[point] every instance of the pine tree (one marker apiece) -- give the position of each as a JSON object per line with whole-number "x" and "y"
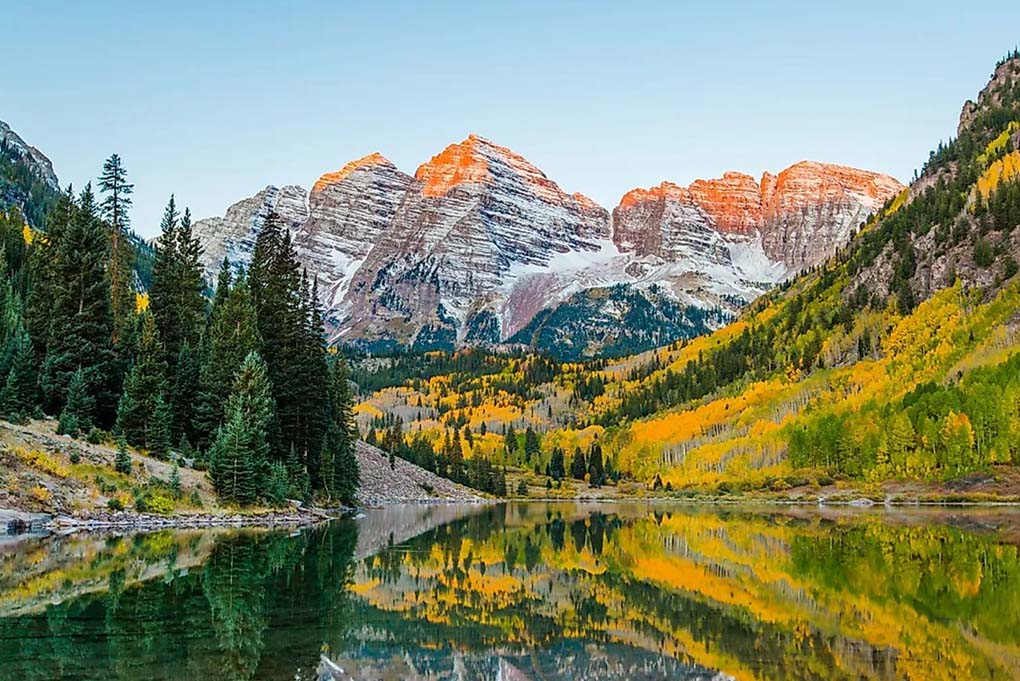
{"x": 42, "y": 275}
{"x": 79, "y": 336}
{"x": 239, "y": 455}
{"x": 175, "y": 482}
{"x": 339, "y": 463}
{"x": 18, "y": 395}
{"x": 531, "y": 444}
{"x": 277, "y": 295}
{"x": 122, "y": 462}
{"x": 232, "y": 336}
{"x": 313, "y": 369}
{"x": 145, "y": 385}
{"x": 160, "y": 436}
{"x": 185, "y": 389}
{"x": 557, "y": 466}
{"x": 595, "y": 469}
{"x": 510, "y": 440}
{"x": 176, "y": 297}
{"x": 578, "y": 465}
{"x": 456, "y": 458}
{"x": 191, "y": 304}
{"x": 78, "y": 407}
{"x": 114, "y": 209}
{"x": 297, "y": 475}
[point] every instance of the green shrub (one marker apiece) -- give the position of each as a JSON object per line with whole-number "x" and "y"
{"x": 983, "y": 255}
{"x": 68, "y": 424}
{"x": 115, "y": 504}
{"x": 1010, "y": 268}
{"x": 75, "y": 457}
{"x": 95, "y": 436}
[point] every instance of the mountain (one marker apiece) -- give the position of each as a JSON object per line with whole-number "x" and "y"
{"x": 897, "y": 358}
{"x": 27, "y": 180}
{"x": 479, "y": 246}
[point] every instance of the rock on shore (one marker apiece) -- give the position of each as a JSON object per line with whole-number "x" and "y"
{"x": 405, "y": 482}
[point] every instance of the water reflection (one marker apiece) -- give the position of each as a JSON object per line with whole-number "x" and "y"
{"x": 528, "y": 591}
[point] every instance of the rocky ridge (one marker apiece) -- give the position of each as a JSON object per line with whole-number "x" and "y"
{"x": 479, "y": 243}
{"x": 38, "y": 164}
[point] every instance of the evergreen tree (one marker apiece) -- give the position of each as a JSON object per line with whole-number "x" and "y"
{"x": 175, "y": 482}
{"x": 339, "y": 463}
{"x": 144, "y": 387}
{"x": 578, "y": 465}
{"x": 177, "y": 295}
{"x": 122, "y": 462}
{"x": 239, "y": 455}
{"x": 186, "y": 387}
{"x": 160, "y": 436}
{"x": 78, "y": 407}
{"x": 281, "y": 317}
{"x": 510, "y": 440}
{"x": 455, "y": 457}
{"x": 312, "y": 419}
{"x": 531, "y": 444}
{"x": 557, "y": 466}
{"x": 163, "y": 291}
{"x": 18, "y": 395}
{"x": 80, "y": 333}
{"x": 114, "y": 208}
{"x": 297, "y": 475}
{"x": 42, "y": 267}
{"x": 595, "y": 469}
{"x": 232, "y": 336}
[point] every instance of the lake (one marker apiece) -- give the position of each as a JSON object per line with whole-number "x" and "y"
{"x": 527, "y": 591}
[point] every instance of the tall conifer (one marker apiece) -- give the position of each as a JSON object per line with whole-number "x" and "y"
{"x": 239, "y": 455}
{"x": 81, "y": 329}
{"x": 114, "y": 207}
{"x": 145, "y": 385}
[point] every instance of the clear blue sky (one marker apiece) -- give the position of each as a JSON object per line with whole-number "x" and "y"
{"x": 213, "y": 100}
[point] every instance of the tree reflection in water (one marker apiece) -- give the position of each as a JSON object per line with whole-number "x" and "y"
{"x": 529, "y": 591}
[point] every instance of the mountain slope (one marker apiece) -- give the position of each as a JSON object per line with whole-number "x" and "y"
{"x": 27, "y": 180}
{"x": 479, "y": 246}
{"x": 898, "y": 357}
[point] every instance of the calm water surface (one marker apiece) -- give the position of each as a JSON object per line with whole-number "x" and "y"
{"x": 527, "y": 591}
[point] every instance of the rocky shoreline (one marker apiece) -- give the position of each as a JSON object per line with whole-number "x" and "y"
{"x": 17, "y": 522}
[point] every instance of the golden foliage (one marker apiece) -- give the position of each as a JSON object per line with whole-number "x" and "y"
{"x": 1003, "y": 169}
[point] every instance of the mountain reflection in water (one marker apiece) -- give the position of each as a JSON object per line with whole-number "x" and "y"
{"x": 527, "y": 591}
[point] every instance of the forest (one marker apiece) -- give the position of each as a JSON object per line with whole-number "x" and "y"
{"x": 237, "y": 381}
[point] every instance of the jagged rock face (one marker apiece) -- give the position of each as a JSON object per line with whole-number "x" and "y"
{"x": 349, "y": 212}
{"x": 810, "y": 209}
{"x": 475, "y": 217}
{"x": 1006, "y": 74}
{"x": 798, "y": 217}
{"x": 37, "y": 163}
{"x": 233, "y": 235}
{"x": 480, "y": 246}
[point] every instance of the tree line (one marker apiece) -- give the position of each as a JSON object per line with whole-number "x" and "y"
{"x": 242, "y": 383}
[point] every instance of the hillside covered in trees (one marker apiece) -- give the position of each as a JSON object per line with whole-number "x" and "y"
{"x": 241, "y": 385}
{"x": 896, "y": 359}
